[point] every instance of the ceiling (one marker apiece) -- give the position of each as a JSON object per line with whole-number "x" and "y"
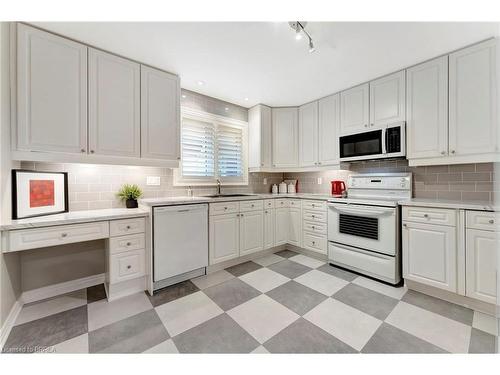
{"x": 262, "y": 61}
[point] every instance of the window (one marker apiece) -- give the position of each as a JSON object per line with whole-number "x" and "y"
{"x": 212, "y": 147}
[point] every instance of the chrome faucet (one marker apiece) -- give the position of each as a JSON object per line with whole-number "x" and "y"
{"x": 218, "y": 187}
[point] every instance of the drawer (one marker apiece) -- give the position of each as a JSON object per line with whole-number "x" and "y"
{"x": 482, "y": 220}
{"x": 224, "y": 208}
{"x": 269, "y": 203}
{"x": 315, "y": 216}
{"x": 430, "y": 215}
{"x": 279, "y": 203}
{"x": 314, "y": 205}
{"x": 297, "y": 203}
{"x": 251, "y": 206}
{"x": 127, "y": 226}
{"x": 34, "y": 238}
{"x": 319, "y": 228}
{"x": 127, "y": 265}
{"x": 315, "y": 242}
{"x": 127, "y": 243}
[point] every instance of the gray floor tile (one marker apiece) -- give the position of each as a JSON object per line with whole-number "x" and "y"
{"x": 297, "y": 297}
{"x": 218, "y": 335}
{"x": 51, "y": 330}
{"x": 286, "y": 253}
{"x": 131, "y": 335}
{"x": 389, "y": 339}
{"x": 243, "y": 268}
{"x": 439, "y": 306}
{"x": 366, "y": 300}
{"x": 304, "y": 337}
{"x": 96, "y": 293}
{"x": 172, "y": 292}
{"x": 338, "y": 272}
{"x": 289, "y": 269}
{"x": 231, "y": 293}
{"x": 481, "y": 342}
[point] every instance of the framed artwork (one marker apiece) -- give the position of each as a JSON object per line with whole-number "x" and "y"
{"x": 36, "y": 193}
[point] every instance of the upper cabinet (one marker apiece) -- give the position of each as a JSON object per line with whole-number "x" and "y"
{"x": 308, "y": 135}
{"x": 285, "y": 137}
{"x": 160, "y": 111}
{"x": 51, "y": 92}
{"x": 427, "y": 109}
{"x": 354, "y": 109}
{"x": 259, "y": 137}
{"x": 387, "y": 100}
{"x": 114, "y": 105}
{"x": 328, "y": 125}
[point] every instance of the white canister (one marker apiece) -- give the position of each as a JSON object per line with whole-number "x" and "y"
{"x": 282, "y": 188}
{"x": 274, "y": 189}
{"x": 291, "y": 189}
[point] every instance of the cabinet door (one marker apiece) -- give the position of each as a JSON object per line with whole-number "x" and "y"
{"x": 295, "y": 227}
{"x": 481, "y": 261}
{"x": 160, "y": 121}
{"x": 387, "y": 99}
{"x": 430, "y": 255}
{"x": 51, "y": 92}
{"x": 269, "y": 218}
{"x": 328, "y": 124}
{"x": 427, "y": 106}
{"x": 266, "y": 137}
{"x": 251, "y": 232}
{"x": 259, "y": 137}
{"x": 281, "y": 226}
{"x": 354, "y": 105}
{"x": 285, "y": 137}
{"x": 308, "y": 135}
{"x": 114, "y": 105}
{"x": 473, "y": 100}
{"x": 224, "y": 238}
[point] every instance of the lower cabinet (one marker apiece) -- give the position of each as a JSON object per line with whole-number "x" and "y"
{"x": 281, "y": 227}
{"x": 251, "y": 232}
{"x": 224, "y": 234}
{"x": 295, "y": 226}
{"x": 269, "y": 221}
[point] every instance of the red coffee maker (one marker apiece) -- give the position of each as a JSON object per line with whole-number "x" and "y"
{"x": 338, "y": 187}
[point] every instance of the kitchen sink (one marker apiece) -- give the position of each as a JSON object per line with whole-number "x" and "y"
{"x": 228, "y": 195}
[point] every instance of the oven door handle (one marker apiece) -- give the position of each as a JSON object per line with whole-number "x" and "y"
{"x": 365, "y": 211}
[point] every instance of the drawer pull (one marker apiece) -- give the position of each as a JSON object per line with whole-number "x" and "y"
{"x": 426, "y": 215}
{"x": 129, "y": 267}
{"x": 313, "y": 227}
{"x": 253, "y": 205}
{"x": 225, "y": 208}
{"x": 313, "y": 205}
{"x": 266, "y": 211}
{"x": 491, "y": 221}
{"x": 405, "y": 225}
{"x": 314, "y": 242}
{"x": 129, "y": 243}
{"x": 64, "y": 235}
{"x": 313, "y": 216}
{"x": 127, "y": 227}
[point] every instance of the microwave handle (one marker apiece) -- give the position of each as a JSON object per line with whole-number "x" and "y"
{"x": 384, "y": 140}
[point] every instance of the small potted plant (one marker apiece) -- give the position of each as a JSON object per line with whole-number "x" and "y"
{"x": 130, "y": 194}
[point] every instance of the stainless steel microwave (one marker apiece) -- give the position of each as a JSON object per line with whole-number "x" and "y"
{"x": 385, "y": 142}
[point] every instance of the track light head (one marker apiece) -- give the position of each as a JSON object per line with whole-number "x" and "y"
{"x": 311, "y": 46}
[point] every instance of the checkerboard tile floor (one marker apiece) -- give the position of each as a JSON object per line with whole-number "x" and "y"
{"x": 281, "y": 303}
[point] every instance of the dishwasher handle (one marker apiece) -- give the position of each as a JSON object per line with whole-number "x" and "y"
{"x": 181, "y": 208}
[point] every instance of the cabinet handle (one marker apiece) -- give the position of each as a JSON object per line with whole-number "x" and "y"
{"x": 366, "y": 125}
{"x": 253, "y": 205}
{"x": 452, "y": 151}
{"x": 313, "y": 216}
{"x": 319, "y": 163}
{"x": 129, "y": 243}
{"x": 127, "y": 227}
{"x": 178, "y": 158}
{"x": 443, "y": 152}
{"x": 83, "y": 150}
{"x": 91, "y": 151}
{"x": 426, "y": 215}
{"x": 225, "y": 208}
{"x": 266, "y": 211}
{"x": 371, "y": 125}
{"x": 313, "y": 242}
{"x": 129, "y": 267}
{"x": 313, "y": 227}
{"x": 491, "y": 221}
{"x": 64, "y": 234}
{"x": 241, "y": 215}
{"x": 405, "y": 225}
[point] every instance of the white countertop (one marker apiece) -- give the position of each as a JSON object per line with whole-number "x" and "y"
{"x": 446, "y": 203}
{"x": 73, "y": 218}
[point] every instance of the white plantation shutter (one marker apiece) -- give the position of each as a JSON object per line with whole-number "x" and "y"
{"x": 198, "y": 148}
{"x": 229, "y": 151}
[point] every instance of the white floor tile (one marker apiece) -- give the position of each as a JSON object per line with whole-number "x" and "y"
{"x": 307, "y": 261}
{"x": 262, "y": 317}
{"x": 485, "y": 322}
{"x": 51, "y": 306}
{"x": 102, "y": 313}
{"x": 347, "y": 324}
{"x": 187, "y": 312}
{"x": 268, "y": 260}
{"x": 166, "y": 347}
{"x": 321, "y": 282}
{"x": 446, "y": 333}
{"x": 212, "y": 279}
{"x": 264, "y": 279}
{"x": 380, "y": 287}
{"x": 260, "y": 350}
{"x": 79, "y": 344}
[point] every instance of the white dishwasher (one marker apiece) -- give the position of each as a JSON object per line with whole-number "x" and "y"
{"x": 180, "y": 243}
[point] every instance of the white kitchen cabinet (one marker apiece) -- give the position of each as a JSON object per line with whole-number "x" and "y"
{"x": 295, "y": 226}
{"x": 160, "y": 117}
{"x": 51, "y": 92}
{"x": 328, "y": 125}
{"x": 473, "y": 100}
{"x": 387, "y": 100}
{"x": 281, "y": 226}
{"x": 269, "y": 222}
{"x": 224, "y": 239}
{"x": 259, "y": 137}
{"x": 354, "y": 109}
{"x": 481, "y": 265}
{"x": 251, "y": 232}
{"x": 430, "y": 255}
{"x": 308, "y": 135}
{"x": 285, "y": 137}
{"x": 427, "y": 109}
{"x": 114, "y": 105}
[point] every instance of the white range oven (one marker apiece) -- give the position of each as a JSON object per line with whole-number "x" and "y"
{"x": 364, "y": 228}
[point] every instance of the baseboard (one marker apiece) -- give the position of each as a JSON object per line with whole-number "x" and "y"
{"x": 9, "y": 323}
{"x": 232, "y": 262}
{"x": 50, "y": 291}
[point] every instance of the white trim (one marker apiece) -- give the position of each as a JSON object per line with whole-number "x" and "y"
{"x": 49, "y": 291}
{"x": 458, "y": 159}
{"x": 9, "y": 323}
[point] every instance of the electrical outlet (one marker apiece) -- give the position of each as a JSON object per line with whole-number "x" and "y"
{"x": 320, "y": 180}
{"x": 265, "y": 181}
{"x": 153, "y": 180}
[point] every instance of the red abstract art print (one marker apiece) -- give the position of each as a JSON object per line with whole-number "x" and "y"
{"x": 41, "y": 193}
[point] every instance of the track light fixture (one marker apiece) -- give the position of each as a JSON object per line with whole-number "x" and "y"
{"x": 299, "y": 28}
